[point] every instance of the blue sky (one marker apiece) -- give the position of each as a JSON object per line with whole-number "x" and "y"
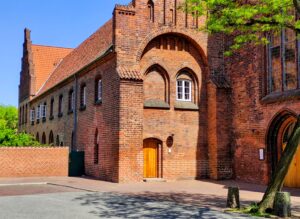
{"x": 63, "y": 23}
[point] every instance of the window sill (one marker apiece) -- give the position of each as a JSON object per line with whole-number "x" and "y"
{"x": 51, "y": 117}
{"x": 98, "y": 102}
{"x": 281, "y": 96}
{"x": 156, "y": 104}
{"x": 82, "y": 108}
{"x": 183, "y": 105}
{"x": 60, "y": 115}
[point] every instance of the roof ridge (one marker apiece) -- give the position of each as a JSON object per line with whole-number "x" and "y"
{"x": 59, "y": 47}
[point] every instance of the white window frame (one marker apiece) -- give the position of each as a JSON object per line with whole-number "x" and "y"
{"x": 183, "y": 90}
{"x": 99, "y": 94}
{"x": 38, "y": 112}
{"x": 32, "y": 115}
{"x": 43, "y": 111}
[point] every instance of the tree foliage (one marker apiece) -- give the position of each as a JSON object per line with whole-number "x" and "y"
{"x": 9, "y": 135}
{"x": 249, "y": 20}
{"x": 252, "y": 21}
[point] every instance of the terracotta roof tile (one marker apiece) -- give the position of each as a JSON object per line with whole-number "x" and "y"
{"x": 45, "y": 60}
{"x": 84, "y": 54}
{"x": 129, "y": 74}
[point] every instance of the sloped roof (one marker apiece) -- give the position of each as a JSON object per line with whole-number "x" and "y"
{"x": 83, "y": 55}
{"x": 129, "y": 74}
{"x": 46, "y": 59}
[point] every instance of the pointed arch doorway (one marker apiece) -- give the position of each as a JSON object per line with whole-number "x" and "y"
{"x": 279, "y": 134}
{"x": 152, "y": 158}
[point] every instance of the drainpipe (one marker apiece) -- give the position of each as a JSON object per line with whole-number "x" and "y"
{"x": 74, "y": 146}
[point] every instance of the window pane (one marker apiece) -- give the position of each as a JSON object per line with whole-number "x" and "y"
{"x": 84, "y": 97}
{"x": 290, "y": 59}
{"x": 100, "y": 90}
{"x": 276, "y": 63}
{"x": 179, "y": 90}
{"x": 187, "y": 85}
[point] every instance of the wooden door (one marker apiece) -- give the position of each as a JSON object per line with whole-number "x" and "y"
{"x": 293, "y": 177}
{"x": 150, "y": 159}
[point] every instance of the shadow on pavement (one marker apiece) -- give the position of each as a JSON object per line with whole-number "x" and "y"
{"x": 250, "y": 187}
{"x": 154, "y": 205}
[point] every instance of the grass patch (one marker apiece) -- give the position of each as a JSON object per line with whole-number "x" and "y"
{"x": 250, "y": 210}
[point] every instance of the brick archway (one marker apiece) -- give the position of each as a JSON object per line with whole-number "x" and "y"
{"x": 187, "y": 34}
{"x": 276, "y": 132}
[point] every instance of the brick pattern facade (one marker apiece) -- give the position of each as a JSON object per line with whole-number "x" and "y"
{"x": 217, "y": 134}
{"x": 34, "y": 162}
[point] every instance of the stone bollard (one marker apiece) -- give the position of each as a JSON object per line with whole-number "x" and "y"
{"x": 233, "y": 197}
{"x": 282, "y": 204}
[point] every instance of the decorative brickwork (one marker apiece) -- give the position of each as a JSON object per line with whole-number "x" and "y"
{"x": 34, "y": 162}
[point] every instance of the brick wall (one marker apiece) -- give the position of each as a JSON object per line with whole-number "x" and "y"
{"x": 251, "y": 115}
{"x": 34, "y": 162}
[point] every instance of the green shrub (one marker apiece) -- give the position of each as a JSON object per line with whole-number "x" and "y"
{"x": 9, "y": 135}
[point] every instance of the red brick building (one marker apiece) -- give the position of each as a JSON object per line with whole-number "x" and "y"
{"x": 150, "y": 96}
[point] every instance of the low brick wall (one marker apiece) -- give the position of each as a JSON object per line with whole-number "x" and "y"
{"x": 33, "y": 162}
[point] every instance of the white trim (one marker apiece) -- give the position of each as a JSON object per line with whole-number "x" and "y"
{"x": 183, "y": 90}
{"x": 38, "y": 112}
{"x": 43, "y": 111}
{"x": 32, "y": 115}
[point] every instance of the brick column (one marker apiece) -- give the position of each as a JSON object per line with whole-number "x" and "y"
{"x": 219, "y": 132}
{"x": 131, "y": 131}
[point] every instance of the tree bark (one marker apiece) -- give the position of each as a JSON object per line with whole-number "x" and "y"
{"x": 233, "y": 197}
{"x": 281, "y": 170}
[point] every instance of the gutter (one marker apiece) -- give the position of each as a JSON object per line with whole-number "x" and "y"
{"x": 74, "y": 146}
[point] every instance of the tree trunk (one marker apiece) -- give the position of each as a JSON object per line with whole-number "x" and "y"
{"x": 233, "y": 197}
{"x": 281, "y": 170}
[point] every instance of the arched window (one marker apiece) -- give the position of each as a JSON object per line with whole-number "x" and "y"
{"x": 83, "y": 97}
{"x": 96, "y": 147}
{"x": 51, "y": 138}
{"x": 44, "y": 138}
{"x": 71, "y": 101}
{"x": 60, "y": 105}
{"x": 156, "y": 87}
{"x": 283, "y": 62}
{"x": 57, "y": 140}
{"x": 37, "y": 137}
{"x": 184, "y": 87}
{"x": 98, "y": 90}
{"x": 151, "y": 10}
{"x": 51, "y": 109}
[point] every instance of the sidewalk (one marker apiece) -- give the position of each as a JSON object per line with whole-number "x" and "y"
{"x": 205, "y": 193}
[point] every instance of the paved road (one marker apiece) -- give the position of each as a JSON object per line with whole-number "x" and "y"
{"x": 46, "y": 201}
